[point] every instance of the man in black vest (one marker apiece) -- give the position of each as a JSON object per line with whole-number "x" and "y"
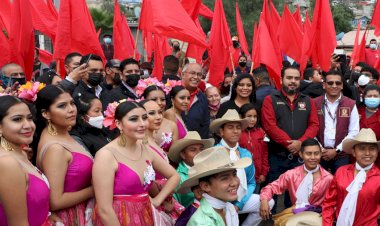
{"x": 288, "y": 118}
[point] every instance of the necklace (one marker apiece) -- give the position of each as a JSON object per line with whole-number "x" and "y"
{"x": 135, "y": 160}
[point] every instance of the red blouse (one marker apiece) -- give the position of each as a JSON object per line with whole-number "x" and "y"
{"x": 368, "y": 204}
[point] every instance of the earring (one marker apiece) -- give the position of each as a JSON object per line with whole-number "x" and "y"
{"x": 122, "y": 141}
{"x": 51, "y": 129}
{"x": 5, "y": 144}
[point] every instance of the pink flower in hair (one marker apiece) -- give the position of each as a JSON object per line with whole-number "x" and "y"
{"x": 170, "y": 84}
{"x": 29, "y": 90}
{"x": 109, "y": 115}
{"x": 144, "y": 83}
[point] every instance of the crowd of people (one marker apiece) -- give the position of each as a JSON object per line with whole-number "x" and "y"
{"x": 110, "y": 145}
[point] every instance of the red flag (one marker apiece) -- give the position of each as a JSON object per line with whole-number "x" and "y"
{"x": 276, "y": 18}
{"x": 290, "y": 36}
{"x": 169, "y": 18}
{"x": 76, "y": 31}
{"x": 297, "y": 17}
{"x": 265, "y": 52}
{"x": 354, "y": 59}
{"x": 322, "y": 39}
{"x": 5, "y": 47}
{"x": 46, "y": 57}
{"x": 206, "y": 12}
{"x": 148, "y": 44}
{"x": 360, "y": 55}
{"x": 307, "y": 23}
{"x": 240, "y": 31}
{"x": 195, "y": 51}
{"x": 98, "y": 32}
{"x": 124, "y": 44}
{"x": 220, "y": 45}
{"x": 161, "y": 49}
{"x": 5, "y": 15}
{"x": 376, "y": 19}
{"x": 21, "y": 36}
{"x": 43, "y": 18}
{"x": 192, "y": 7}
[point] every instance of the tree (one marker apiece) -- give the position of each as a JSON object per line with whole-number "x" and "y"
{"x": 102, "y": 20}
{"x": 342, "y": 16}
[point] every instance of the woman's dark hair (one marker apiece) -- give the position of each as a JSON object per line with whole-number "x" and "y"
{"x": 309, "y": 142}
{"x": 6, "y": 103}
{"x": 175, "y": 90}
{"x": 84, "y": 104}
{"x": 47, "y": 76}
{"x": 369, "y": 88}
{"x": 150, "y": 89}
{"x": 252, "y": 97}
{"x": 247, "y": 107}
{"x": 124, "y": 108}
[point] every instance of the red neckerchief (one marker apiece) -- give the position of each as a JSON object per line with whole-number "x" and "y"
{"x": 192, "y": 96}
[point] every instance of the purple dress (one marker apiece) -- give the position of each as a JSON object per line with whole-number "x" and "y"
{"x": 37, "y": 200}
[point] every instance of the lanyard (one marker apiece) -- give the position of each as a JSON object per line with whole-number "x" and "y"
{"x": 329, "y": 112}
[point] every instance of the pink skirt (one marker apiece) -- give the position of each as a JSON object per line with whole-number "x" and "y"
{"x": 74, "y": 216}
{"x": 131, "y": 210}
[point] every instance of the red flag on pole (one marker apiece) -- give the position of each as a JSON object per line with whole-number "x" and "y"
{"x": 169, "y": 18}
{"x": 220, "y": 45}
{"x": 192, "y": 7}
{"x": 240, "y": 31}
{"x": 205, "y": 12}
{"x": 376, "y": 18}
{"x": 43, "y": 18}
{"x": 21, "y": 36}
{"x": 297, "y": 17}
{"x": 5, "y": 47}
{"x": 195, "y": 51}
{"x": 76, "y": 31}
{"x": 5, "y": 15}
{"x": 265, "y": 52}
{"x": 123, "y": 41}
{"x": 290, "y": 36}
{"x": 355, "y": 50}
{"x": 276, "y": 18}
{"x": 46, "y": 57}
{"x": 161, "y": 49}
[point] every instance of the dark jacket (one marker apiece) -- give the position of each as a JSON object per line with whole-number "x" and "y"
{"x": 312, "y": 90}
{"x": 263, "y": 91}
{"x": 198, "y": 117}
{"x": 119, "y": 93}
{"x": 92, "y": 137}
{"x": 170, "y": 77}
{"x": 225, "y": 107}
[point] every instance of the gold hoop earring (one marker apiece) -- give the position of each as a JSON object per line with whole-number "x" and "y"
{"x": 51, "y": 129}
{"x": 122, "y": 141}
{"x": 5, "y": 144}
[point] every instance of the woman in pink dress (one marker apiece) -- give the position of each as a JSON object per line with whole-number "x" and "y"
{"x": 24, "y": 192}
{"x": 168, "y": 132}
{"x": 124, "y": 172}
{"x": 170, "y": 209}
{"x": 181, "y": 99}
{"x": 66, "y": 163}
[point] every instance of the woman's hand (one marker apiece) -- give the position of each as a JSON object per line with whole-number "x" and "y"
{"x": 265, "y": 210}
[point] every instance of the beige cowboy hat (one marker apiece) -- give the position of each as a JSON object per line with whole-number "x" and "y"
{"x": 192, "y": 137}
{"x": 306, "y": 218}
{"x": 230, "y": 116}
{"x": 364, "y": 136}
{"x": 209, "y": 162}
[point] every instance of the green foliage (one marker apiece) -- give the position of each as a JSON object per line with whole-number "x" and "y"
{"x": 102, "y": 20}
{"x": 342, "y": 16}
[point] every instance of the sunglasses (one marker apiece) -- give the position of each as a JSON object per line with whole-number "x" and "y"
{"x": 331, "y": 83}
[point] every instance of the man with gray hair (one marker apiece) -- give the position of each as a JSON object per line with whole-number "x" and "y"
{"x": 12, "y": 73}
{"x": 197, "y": 117}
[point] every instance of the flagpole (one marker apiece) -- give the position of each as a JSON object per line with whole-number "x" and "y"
{"x": 146, "y": 52}
{"x": 136, "y": 40}
{"x": 232, "y": 62}
{"x": 183, "y": 55}
{"x": 250, "y": 71}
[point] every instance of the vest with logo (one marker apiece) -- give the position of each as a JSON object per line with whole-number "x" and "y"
{"x": 343, "y": 115}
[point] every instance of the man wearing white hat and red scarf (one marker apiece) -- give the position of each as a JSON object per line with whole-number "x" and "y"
{"x": 353, "y": 198}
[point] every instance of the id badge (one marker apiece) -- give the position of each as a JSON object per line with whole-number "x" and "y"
{"x": 331, "y": 133}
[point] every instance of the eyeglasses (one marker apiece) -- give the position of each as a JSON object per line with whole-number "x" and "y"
{"x": 193, "y": 73}
{"x": 331, "y": 83}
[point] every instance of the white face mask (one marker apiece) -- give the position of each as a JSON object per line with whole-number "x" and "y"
{"x": 372, "y": 46}
{"x": 96, "y": 122}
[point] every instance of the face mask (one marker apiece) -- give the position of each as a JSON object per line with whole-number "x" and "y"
{"x": 355, "y": 76}
{"x": 235, "y": 44}
{"x": 6, "y": 80}
{"x": 372, "y": 46}
{"x": 132, "y": 80}
{"x": 242, "y": 64}
{"x": 94, "y": 79}
{"x": 107, "y": 40}
{"x": 96, "y": 122}
{"x": 372, "y": 102}
{"x": 176, "y": 48}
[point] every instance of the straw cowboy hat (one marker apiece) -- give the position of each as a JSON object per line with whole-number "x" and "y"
{"x": 306, "y": 218}
{"x": 209, "y": 162}
{"x": 192, "y": 137}
{"x": 230, "y": 116}
{"x": 366, "y": 136}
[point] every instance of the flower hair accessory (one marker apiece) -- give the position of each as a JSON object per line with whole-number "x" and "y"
{"x": 170, "y": 84}
{"x": 29, "y": 90}
{"x": 144, "y": 83}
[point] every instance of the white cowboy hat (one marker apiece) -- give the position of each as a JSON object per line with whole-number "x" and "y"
{"x": 230, "y": 116}
{"x": 364, "y": 136}
{"x": 192, "y": 137}
{"x": 307, "y": 218}
{"x": 209, "y": 162}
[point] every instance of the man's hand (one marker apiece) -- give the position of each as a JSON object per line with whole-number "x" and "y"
{"x": 265, "y": 210}
{"x": 78, "y": 73}
{"x": 294, "y": 146}
{"x": 261, "y": 179}
{"x": 328, "y": 154}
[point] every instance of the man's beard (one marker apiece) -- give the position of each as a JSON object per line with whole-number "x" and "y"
{"x": 290, "y": 91}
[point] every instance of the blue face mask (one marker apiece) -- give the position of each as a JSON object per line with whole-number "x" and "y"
{"x": 107, "y": 40}
{"x": 6, "y": 80}
{"x": 372, "y": 102}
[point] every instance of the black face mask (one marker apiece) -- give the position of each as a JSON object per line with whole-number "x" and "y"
{"x": 176, "y": 48}
{"x": 21, "y": 81}
{"x": 132, "y": 80}
{"x": 355, "y": 76}
{"x": 235, "y": 44}
{"x": 94, "y": 79}
{"x": 116, "y": 79}
{"x": 242, "y": 64}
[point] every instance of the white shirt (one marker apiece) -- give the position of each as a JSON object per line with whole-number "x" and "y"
{"x": 330, "y": 124}
{"x": 98, "y": 90}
